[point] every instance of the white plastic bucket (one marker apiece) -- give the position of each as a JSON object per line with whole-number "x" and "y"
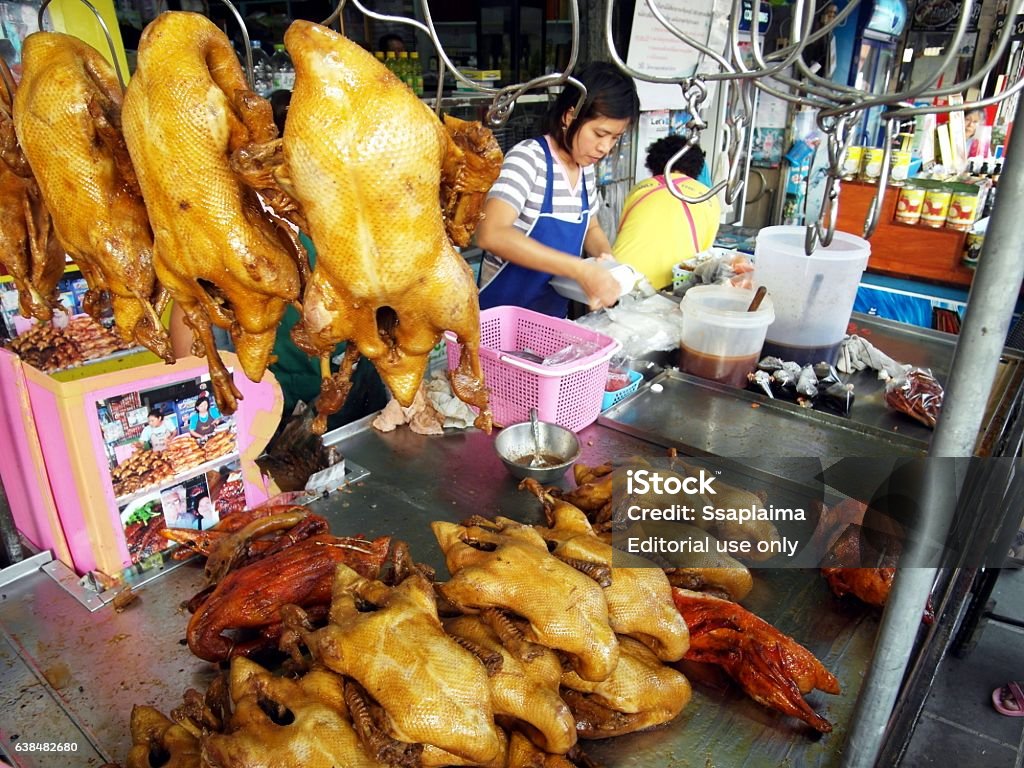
{"x": 721, "y": 341}
{"x": 813, "y": 295}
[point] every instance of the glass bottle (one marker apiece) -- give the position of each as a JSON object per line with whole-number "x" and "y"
{"x": 417, "y": 72}
{"x": 282, "y": 68}
{"x": 262, "y": 72}
{"x": 391, "y": 62}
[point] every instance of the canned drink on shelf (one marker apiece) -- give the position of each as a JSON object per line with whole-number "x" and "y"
{"x": 935, "y": 207}
{"x": 909, "y": 205}
{"x": 963, "y": 209}
{"x": 851, "y": 162}
{"x": 871, "y": 164}
{"x": 900, "y": 168}
{"x": 972, "y": 249}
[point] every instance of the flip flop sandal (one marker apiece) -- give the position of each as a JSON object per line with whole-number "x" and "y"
{"x": 1007, "y": 695}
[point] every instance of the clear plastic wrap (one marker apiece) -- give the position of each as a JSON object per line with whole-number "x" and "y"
{"x": 916, "y": 393}
{"x": 641, "y": 324}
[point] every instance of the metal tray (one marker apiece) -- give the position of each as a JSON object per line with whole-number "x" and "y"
{"x": 704, "y": 418}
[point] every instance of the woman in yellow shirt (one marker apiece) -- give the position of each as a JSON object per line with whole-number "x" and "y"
{"x": 658, "y": 230}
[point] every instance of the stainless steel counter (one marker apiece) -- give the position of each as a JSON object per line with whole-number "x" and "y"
{"x": 71, "y": 676}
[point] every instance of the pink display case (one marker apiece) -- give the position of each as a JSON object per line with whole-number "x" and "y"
{"x": 94, "y": 467}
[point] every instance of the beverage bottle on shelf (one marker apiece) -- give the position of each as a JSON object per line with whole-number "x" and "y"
{"x": 283, "y": 69}
{"x": 391, "y": 62}
{"x": 417, "y": 72}
{"x": 379, "y": 55}
{"x": 263, "y": 79}
{"x": 404, "y": 70}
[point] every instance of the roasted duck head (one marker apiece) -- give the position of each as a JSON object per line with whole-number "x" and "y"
{"x": 67, "y": 115}
{"x": 363, "y": 158}
{"x": 29, "y": 249}
{"x": 225, "y": 259}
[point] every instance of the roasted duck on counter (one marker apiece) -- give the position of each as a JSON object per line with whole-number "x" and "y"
{"x": 251, "y": 597}
{"x": 67, "y": 114}
{"x": 639, "y": 599}
{"x": 282, "y": 723}
{"x": 433, "y": 692}
{"x": 641, "y": 693}
{"x": 364, "y": 158}
{"x": 524, "y": 691}
{"x": 221, "y": 255}
{"x": 770, "y": 666}
{"x": 507, "y": 566}
{"x": 29, "y": 249}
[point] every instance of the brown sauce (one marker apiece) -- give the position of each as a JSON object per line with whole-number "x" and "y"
{"x": 546, "y": 460}
{"x": 727, "y": 370}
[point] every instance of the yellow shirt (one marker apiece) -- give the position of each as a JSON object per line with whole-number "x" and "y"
{"x": 657, "y": 230}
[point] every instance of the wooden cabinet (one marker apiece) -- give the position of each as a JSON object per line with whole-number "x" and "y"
{"x": 903, "y": 250}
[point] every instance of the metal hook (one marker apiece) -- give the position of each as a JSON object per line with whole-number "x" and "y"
{"x": 871, "y": 222}
{"x": 837, "y": 136}
{"x": 106, "y": 34}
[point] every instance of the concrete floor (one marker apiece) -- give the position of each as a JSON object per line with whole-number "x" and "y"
{"x": 959, "y": 727}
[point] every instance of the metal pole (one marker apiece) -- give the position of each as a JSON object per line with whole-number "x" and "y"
{"x": 986, "y": 322}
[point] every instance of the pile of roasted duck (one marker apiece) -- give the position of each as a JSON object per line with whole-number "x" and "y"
{"x": 181, "y": 189}
{"x": 536, "y": 641}
{"x": 51, "y": 348}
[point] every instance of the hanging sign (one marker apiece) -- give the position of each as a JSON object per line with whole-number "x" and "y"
{"x": 764, "y": 17}
{"x": 1017, "y": 30}
{"x": 943, "y": 16}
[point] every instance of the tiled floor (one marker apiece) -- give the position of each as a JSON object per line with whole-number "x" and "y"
{"x": 959, "y": 726}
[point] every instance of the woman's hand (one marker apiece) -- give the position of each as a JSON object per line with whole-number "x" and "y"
{"x": 601, "y": 288}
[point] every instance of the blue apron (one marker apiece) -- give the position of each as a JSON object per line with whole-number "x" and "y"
{"x": 514, "y": 285}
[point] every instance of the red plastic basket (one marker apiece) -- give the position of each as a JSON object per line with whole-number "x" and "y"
{"x": 569, "y": 395}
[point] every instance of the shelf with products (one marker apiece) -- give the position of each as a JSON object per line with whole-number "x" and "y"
{"x": 903, "y": 250}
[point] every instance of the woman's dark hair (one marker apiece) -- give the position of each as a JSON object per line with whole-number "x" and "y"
{"x": 202, "y": 400}
{"x": 156, "y": 413}
{"x": 610, "y": 93}
{"x": 280, "y": 100}
{"x": 662, "y": 150}
{"x": 383, "y": 43}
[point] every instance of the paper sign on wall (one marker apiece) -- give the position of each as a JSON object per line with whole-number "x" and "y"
{"x": 654, "y": 50}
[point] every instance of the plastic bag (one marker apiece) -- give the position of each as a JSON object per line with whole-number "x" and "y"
{"x": 618, "y": 374}
{"x": 918, "y": 394}
{"x": 570, "y": 353}
{"x": 718, "y": 266}
{"x": 642, "y": 325}
{"x": 811, "y": 386}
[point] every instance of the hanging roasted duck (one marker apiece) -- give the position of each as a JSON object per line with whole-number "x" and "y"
{"x": 29, "y": 249}
{"x": 363, "y": 156}
{"x": 225, "y": 259}
{"x": 67, "y": 115}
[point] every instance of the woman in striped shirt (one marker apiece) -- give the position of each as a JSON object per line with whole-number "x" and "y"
{"x": 540, "y": 214}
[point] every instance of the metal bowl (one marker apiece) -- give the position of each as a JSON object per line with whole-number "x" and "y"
{"x": 558, "y": 447}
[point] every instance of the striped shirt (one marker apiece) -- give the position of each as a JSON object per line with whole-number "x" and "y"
{"x": 522, "y": 183}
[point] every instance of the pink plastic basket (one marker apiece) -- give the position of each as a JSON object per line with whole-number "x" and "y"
{"x": 568, "y": 395}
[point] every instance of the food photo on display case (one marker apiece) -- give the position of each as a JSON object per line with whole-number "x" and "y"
{"x": 155, "y": 435}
